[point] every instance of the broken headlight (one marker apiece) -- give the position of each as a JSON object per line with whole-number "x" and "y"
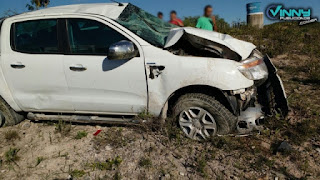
{"x": 254, "y": 68}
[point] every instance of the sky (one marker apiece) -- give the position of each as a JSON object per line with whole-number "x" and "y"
{"x": 230, "y": 10}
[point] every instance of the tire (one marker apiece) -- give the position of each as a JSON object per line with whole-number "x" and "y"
{"x": 8, "y": 117}
{"x": 214, "y": 118}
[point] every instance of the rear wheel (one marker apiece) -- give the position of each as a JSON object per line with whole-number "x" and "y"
{"x": 201, "y": 116}
{"x": 8, "y": 117}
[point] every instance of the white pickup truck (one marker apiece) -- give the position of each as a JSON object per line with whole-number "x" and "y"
{"x": 109, "y": 62}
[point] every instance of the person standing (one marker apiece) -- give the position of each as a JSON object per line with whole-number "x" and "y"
{"x": 207, "y": 21}
{"x": 160, "y": 15}
{"x": 174, "y": 20}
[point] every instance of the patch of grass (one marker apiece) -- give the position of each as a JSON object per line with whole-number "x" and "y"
{"x": 285, "y": 172}
{"x": 114, "y": 137}
{"x": 39, "y": 160}
{"x": 108, "y": 165}
{"x": 226, "y": 142}
{"x": 304, "y": 166}
{"x": 12, "y": 155}
{"x": 65, "y": 155}
{"x": 63, "y": 127}
{"x": 145, "y": 115}
{"x": 260, "y": 162}
{"x": 11, "y": 135}
{"x": 81, "y": 134}
{"x": 298, "y": 132}
{"x": 302, "y": 131}
{"x": 100, "y": 166}
{"x": 117, "y": 176}
{"x": 201, "y": 163}
{"x": 77, "y": 173}
{"x": 239, "y": 165}
{"x": 172, "y": 131}
{"x": 145, "y": 162}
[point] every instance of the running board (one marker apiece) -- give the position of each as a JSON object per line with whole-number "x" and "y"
{"x": 81, "y": 119}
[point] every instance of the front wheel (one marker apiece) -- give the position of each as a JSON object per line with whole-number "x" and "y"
{"x": 201, "y": 116}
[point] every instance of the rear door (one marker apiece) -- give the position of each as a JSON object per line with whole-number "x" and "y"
{"x": 97, "y": 84}
{"x": 34, "y": 69}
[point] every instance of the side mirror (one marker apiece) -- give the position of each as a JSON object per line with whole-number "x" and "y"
{"x": 122, "y": 50}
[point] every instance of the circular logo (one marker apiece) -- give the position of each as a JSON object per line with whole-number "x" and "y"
{"x": 268, "y": 12}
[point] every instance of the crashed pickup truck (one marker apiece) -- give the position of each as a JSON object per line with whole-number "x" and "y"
{"x": 103, "y": 63}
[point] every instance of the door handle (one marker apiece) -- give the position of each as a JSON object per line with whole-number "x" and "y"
{"x": 77, "y": 67}
{"x": 17, "y": 65}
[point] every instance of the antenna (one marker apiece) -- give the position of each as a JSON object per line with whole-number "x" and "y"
{"x": 119, "y": 3}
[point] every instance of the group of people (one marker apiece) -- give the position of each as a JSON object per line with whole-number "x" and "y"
{"x": 207, "y": 21}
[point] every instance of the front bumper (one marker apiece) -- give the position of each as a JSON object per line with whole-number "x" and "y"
{"x": 270, "y": 99}
{"x": 271, "y": 94}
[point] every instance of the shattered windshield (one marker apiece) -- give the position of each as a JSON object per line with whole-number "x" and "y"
{"x": 145, "y": 25}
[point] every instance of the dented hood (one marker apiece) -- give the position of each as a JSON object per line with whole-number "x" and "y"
{"x": 222, "y": 42}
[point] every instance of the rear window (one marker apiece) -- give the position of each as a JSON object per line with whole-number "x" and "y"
{"x": 39, "y": 37}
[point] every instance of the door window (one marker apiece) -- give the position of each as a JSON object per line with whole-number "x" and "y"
{"x": 38, "y": 36}
{"x": 91, "y": 37}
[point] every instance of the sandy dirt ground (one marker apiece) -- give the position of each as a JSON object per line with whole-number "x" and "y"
{"x": 57, "y": 150}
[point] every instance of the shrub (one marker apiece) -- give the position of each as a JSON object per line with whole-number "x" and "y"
{"x": 81, "y": 134}
{"x": 145, "y": 162}
{"x": 12, "y": 155}
{"x": 11, "y": 135}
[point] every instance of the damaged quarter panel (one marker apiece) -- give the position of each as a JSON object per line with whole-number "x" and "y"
{"x": 167, "y": 73}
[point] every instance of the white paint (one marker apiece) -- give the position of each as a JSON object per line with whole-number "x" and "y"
{"x": 109, "y": 86}
{"x": 244, "y": 49}
{"x": 110, "y": 10}
{"x": 183, "y": 71}
{"x": 48, "y": 85}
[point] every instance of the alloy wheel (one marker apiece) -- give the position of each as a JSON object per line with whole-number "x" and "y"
{"x": 197, "y": 123}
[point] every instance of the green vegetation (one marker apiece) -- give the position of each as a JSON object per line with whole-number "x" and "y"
{"x": 113, "y": 137}
{"x": 81, "y": 134}
{"x": 11, "y": 156}
{"x": 145, "y": 162}
{"x": 260, "y": 163}
{"x": 108, "y": 165}
{"x": 77, "y": 173}
{"x": 201, "y": 163}
{"x": 39, "y": 160}
{"x": 145, "y": 115}
{"x": 278, "y": 38}
{"x": 11, "y": 135}
{"x": 63, "y": 127}
{"x": 117, "y": 176}
{"x": 36, "y": 4}
{"x": 289, "y": 38}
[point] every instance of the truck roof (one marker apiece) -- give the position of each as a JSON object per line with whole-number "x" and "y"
{"x": 110, "y": 10}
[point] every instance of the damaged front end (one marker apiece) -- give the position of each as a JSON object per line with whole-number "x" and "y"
{"x": 196, "y": 42}
{"x": 266, "y": 98}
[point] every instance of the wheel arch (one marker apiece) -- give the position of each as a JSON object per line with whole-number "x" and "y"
{"x": 222, "y": 96}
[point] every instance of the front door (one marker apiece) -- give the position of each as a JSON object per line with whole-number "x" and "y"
{"x": 97, "y": 84}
